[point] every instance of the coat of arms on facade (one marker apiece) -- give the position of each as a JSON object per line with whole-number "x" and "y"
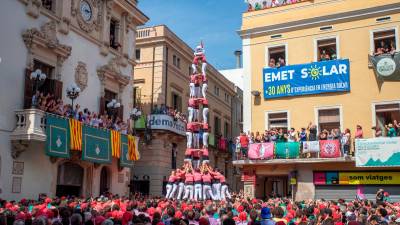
{"x": 81, "y": 75}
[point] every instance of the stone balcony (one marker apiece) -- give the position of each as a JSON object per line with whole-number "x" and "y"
{"x": 30, "y": 127}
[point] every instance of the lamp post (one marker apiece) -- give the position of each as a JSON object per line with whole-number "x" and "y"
{"x": 113, "y": 107}
{"x": 135, "y": 115}
{"x": 37, "y": 77}
{"x": 73, "y": 92}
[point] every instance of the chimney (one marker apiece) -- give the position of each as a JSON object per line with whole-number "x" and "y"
{"x": 238, "y": 55}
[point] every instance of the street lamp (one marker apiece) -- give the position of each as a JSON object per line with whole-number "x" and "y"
{"x": 135, "y": 115}
{"x": 113, "y": 107}
{"x": 73, "y": 92}
{"x": 37, "y": 77}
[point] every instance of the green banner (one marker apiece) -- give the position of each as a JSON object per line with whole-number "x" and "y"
{"x": 211, "y": 139}
{"x": 96, "y": 145}
{"x": 58, "y": 137}
{"x": 141, "y": 122}
{"x": 287, "y": 150}
{"x": 124, "y": 161}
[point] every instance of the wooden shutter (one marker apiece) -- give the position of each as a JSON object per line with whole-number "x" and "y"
{"x": 102, "y": 105}
{"x": 28, "y": 92}
{"x": 57, "y": 89}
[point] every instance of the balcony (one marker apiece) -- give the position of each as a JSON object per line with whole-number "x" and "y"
{"x": 30, "y": 127}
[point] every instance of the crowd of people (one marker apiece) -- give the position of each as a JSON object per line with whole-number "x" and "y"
{"x": 239, "y": 210}
{"x": 166, "y": 110}
{"x": 266, "y": 4}
{"x": 384, "y": 48}
{"x": 273, "y": 63}
{"x": 310, "y": 133}
{"x": 50, "y": 104}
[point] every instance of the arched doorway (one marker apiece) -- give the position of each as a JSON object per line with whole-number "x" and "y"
{"x": 69, "y": 179}
{"x": 104, "y": 181}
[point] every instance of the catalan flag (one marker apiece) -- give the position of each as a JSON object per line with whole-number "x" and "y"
{"x": 76, "y": 134}
{"x": 116, "y": 143}
{"x": 133, "y": 150}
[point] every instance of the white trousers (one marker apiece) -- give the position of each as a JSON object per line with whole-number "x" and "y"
{"x": 225, "y": 192}
{"x": 189, "y": 139}
{"x": 174, "y": 188}
{"x": 217, "y": 191}
{"x": 193, "y": 114}
{"x": 207, "y": 193}
{"x": 196, "y": 140}
{"x": 192, "y": 92}
{"x": 205, "y": 115}
{"x": 203, "y": 68}
{"x": 204, "y": 90}
{"x": 205, "y": 139}
{"x": 188, "y": 192}
{"x": 197, "y": 192}
{"x": 181, "y": 187}
{"x": 169, "y": 190}
{"x": 197, "y": 91}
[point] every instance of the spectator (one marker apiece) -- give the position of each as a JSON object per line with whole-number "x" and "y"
{"x": 346, "y": 142}
{"x": 391, "y": 132}
{"x": 312, "y": 129}
{"x": 272, "y": 63}
{"x": 359, "y": 132}
{"x": 244, "y": 143}
{"x": 266, "y": 218}
{"x": 378, "y": 131}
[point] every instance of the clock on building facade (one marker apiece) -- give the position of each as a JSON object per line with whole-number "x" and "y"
{"x": 87, "y": 14}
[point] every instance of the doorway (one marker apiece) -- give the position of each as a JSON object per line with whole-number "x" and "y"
{"x": 140, "y": 186}
{"x": 104, "y": 181}
{"x": 69, "y": 179}
{"x": 276, "y": 186}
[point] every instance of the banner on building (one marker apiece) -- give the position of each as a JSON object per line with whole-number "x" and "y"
{"x": 356, "y": 178}
{"x": 166, "y": 122}
{"x": 377, "y": 152}
{"x": 261, "y": 151}
{"x": 329, "y": 149}
{"x": 96, "y": 146}
{"x": 75, "y": 127}
{"x": 306, "y": 79}
{"x": 58, "y": 136}
{"x": 287, "y": 150}
{"x": 125, "y": 158}
{"x": 310, "y": 146}
{"x": 386, "y": 66}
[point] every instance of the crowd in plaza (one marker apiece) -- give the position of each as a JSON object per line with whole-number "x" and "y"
{"x": 166, "y": 110}
{"x": 48, "y": 103}
{"x": 310, "y": 133}
{"x": 138, "y": 209}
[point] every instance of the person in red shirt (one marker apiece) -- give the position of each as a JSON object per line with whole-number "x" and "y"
{"x": 204, "y": 156}
{"x": 181, "y": 185}
{"x": 188, "y": 155}
{"x": 204, "y": 87}
{"x": 170, "y": 185}
{"x": 189, "y": 181}
{"x": 205, "y": 111}
{"x": 216, "y": 184}
{"x": 224, "y": 188}
{"x": 206, "y": 134}
{"x": 193, "y": 109}
{"x": 197, "y": 184}
{"x": 207, "y": 191}
{"x": 196, "y": 126}
{"x": 244, "y": 144}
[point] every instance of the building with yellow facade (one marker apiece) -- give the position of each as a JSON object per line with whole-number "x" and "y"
{"x": 307, "y": 38}
{"x": 162, "y": 80}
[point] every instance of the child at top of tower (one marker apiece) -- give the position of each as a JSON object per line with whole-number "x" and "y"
{"x": 199, "y": 56}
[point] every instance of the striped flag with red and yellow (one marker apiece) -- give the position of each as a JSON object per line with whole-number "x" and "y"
{"x": 116, "y": 143}
{"x": 133, "y": 151}
{"x": 75, "y": 128}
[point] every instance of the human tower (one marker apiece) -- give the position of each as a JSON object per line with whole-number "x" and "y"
{"x": 197, "y": 180}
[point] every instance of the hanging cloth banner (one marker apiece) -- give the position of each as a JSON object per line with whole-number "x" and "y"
{"x": 311, "y": 147}
{"x": 133, "y": 148}
{"x": 75, "y": 127}
{"x": 96, "y": 145}
{"x": 261, "y": 151}
{"x": 125, "y": 159}
{"x": 329, "y": 149}
{"x": 115, "y": 143}
{"x": 57, "y": 136}
{"x": 287, "y": 150}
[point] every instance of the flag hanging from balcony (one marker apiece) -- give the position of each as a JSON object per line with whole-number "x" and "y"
{"x": 57, "y": 136}
{"x": 96, "y": 145}
{"x": 75, "y": 127}
{"x": 133, "y": 150}
{"x": 287, "y": 150}
{"x": 261, "y": 151}
{"x": 329, "y": 149}
{"x": 116, "y": 143}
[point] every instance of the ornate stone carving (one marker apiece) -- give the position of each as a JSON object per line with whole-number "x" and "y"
{"x": 49, "y": 32}
{"x": 64, "y": 25}
{"x": 18, "y": 147}
{"x": 112, "y": 73}
{"x": 87, "y": 26}
{"x": 33, "y": 8}
{"x": 81, "y": 75}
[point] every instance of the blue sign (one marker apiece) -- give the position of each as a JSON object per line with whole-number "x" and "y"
{"x": 307, "y": 79}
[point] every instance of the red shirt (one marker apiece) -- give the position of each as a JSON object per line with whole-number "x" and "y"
{"x": 205, "y": 126}
{"x": 206, "y": 178}
{"x": 244, "y": 141}
{"x": 189, "y": 177}
{"x": 204, "y": 152}
{"x": 197, "y": 176}
{"x": 188, "y": 151}
{"x": 172, "y": 179}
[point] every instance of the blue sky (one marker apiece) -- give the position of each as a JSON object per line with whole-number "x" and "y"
{"x": 213, "y": 21}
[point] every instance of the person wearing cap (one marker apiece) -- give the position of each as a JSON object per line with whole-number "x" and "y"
{"x": 199, "y": 56}
{"x": 266, "y": 217}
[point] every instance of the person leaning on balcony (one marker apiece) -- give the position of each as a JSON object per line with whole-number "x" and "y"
{"x": 391, "y": 131}
{"x": 272, "y": 63}
{"x": 312, "y": 129}
{"x": 378, "y": 131}
{"x": 244, "y": 144}
{"x": 359, "y": 132}
{"x": 396, "y": 126}
{"x": 346, "y": 142}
